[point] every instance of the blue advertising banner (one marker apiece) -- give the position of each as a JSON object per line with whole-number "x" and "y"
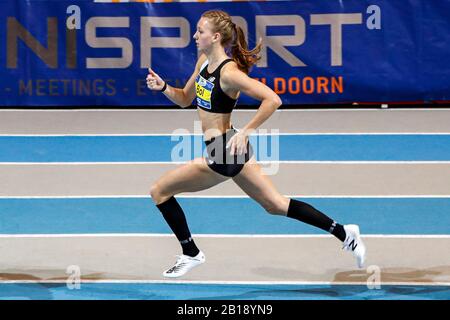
{"x": 82, "y": 53}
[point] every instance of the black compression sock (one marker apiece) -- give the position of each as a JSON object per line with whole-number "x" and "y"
{"x": 306, "y": 213}
{"x": 175, "y": 218}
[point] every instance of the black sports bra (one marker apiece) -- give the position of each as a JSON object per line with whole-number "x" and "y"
{"x": 210, "y": 96}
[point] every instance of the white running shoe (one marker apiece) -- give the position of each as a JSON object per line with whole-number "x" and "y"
{"x": 184, "y": 264}
{"x": 354, "y": 243}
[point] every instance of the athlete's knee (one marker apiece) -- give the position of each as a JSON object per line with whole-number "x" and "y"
{"x": 277, "y": 206}
{"x": 273, "y": 209}
{"x": 156, "y": 193}
{"x": 154, "y": 189}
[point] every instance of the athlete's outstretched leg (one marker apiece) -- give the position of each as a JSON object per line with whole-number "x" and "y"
{"x": 190, "y": 177}
{"x": 259, "y": 187}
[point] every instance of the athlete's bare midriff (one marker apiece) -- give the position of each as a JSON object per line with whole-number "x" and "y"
{"x": 214, "y": 124}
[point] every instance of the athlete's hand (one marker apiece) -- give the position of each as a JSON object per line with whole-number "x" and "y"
{"x": 154, "y": 82}
{"x": 238, "y": 143}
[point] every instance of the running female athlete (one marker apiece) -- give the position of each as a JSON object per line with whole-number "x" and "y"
{"x": 216, "y": 83}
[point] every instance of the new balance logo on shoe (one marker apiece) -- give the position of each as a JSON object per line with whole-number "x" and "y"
{"x": 176, "y": 268}
{"x": 353, "y": 245}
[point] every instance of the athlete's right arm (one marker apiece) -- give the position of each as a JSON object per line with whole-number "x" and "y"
{"x": 182, "y": 97}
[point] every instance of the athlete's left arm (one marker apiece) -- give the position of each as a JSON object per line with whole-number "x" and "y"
{"x": 270, "y": 101}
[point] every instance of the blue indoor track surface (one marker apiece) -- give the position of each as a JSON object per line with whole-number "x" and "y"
{"x": 146, "y": 291}
{"x": 219, "y": 216}
{"x": 291, "y": 147}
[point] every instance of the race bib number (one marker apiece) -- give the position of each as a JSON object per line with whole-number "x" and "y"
{"x": 203, "y": 89}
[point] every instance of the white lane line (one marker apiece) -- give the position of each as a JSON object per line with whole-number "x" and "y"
{"x": 389, "y": 196}
{"x": 212, "y": 282}
{"x": 183, "y": 162}
{"x": 259, "y": 134}
{"x": 253, "y": 236}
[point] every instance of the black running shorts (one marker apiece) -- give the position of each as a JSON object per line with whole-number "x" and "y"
{"x": 219, "y": 158}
